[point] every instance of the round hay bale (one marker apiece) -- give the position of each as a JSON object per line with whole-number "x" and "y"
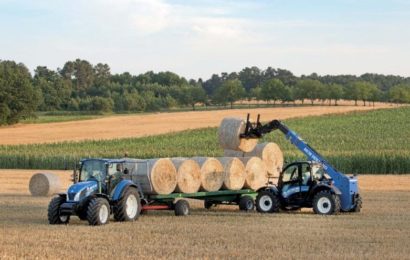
{"x": 188, "y": 175}
{"x": 234, "y": 173}
{"x": 155, "y": 176}
{"x": 271, "y": 154}
{"x": 44, "y": 184}
{"x": 212, "y": 173}
{"x": 228, "y": 134}
{"x": 256, "y": 172}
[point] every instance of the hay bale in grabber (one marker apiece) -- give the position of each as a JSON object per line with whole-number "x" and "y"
{"x": 44, "y": 184}
{"x": 188, "y": 175}
{"x": 229, "y": 133}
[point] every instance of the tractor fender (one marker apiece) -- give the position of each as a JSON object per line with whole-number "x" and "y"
{"x": 121, "y": 187}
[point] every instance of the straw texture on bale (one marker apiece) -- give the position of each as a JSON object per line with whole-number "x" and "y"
{"x": 256, "y": 173}
{"x": 212, "y": 173}
{"x": 234, "y": 173}
{"x": 44, "y": 184}
{"x": 156, "y": 176}
{"x": 228, "y": 134}
{"x": 188, "y": 175}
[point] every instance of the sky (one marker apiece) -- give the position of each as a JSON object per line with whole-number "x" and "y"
{"x": 199, "y": 38}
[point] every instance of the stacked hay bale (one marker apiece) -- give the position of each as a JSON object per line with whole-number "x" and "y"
{"x": 212, "y": 173}
{"x": 235, "y": 173}
{"x": 188, "y": 175}
{"x": 256, "y": 172}
{"x": 44, "y": 184}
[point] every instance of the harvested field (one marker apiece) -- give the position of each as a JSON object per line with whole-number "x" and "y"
{"x": 380, "y": 230}
{"x": 151, "y": 124}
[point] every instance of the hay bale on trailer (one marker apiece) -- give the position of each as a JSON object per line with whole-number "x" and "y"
{"x": 212, "y": 173}
{"x": 44, "y": 184}
{"x": 155, "y": 176}
{"x": 270, "y": 153}
{"x": 256, "y": 172}
{"x": 188, "y": 175}
{"x": 228, "y": 134}
{"x": 234, "y": 173}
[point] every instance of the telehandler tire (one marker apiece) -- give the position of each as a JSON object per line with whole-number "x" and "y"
{"x": 357, "y": 208}
{"x": 267, "y": 202}
{"x": 326, "y": 203}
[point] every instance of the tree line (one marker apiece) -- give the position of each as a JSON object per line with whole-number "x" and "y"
{"x": 82, "y": 86}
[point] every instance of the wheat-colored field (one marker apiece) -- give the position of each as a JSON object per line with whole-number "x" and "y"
{"x": 151, "y": 124}
{"x": 381, "y": 230}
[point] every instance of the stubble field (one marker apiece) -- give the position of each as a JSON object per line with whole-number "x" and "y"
{"x": 381, "y": 230}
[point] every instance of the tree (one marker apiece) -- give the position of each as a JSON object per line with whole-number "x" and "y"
{"x": 81, "y": 73}
{"x": 360, "y": 90}
{"x": 335, "y": 92}
{"x": 400, "y": 93}
{"x": 18, "y": 98}
{"x": 273, "y": 89}
{"x": 230, "y": 91}
{"x": 308, "y": 88}
{"x": 250, "y": 77}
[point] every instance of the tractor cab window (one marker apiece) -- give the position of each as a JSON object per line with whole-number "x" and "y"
{"x": 291, "y": 173}
{"x": 306, "y": 173}
{"x": 318, "y": 172}
{"x": 92, "y": 170}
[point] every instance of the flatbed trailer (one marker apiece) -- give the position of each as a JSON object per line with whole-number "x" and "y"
{"x": 176, "y": 201}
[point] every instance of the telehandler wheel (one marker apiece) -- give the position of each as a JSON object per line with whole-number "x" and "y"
{"x": 128, "y": 207}
{"x": 358, "y": 205}
{"x": 181, "y": 208}
{"x": 98, "y": 212}
{"x": 267, "y": 202}
{"x": 326, "y": 203}
{"x": 54, "y": 217}
{"x": 246, "y": 203}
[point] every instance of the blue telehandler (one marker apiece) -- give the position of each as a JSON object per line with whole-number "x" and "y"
{"x": 313, "y": 183}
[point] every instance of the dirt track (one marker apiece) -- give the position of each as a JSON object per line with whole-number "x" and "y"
{"x": 152, "y": 124}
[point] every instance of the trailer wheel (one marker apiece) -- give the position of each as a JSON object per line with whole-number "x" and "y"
{"x": 326, "y": 203}
{"x": 358, "y": 205}
{"x": 53, "y": 214}
{"x": 267, "y": 202}
{"x": 98, "y": 212}
{"x": 181, "y": 208}
{"x": 246, "y": 203}
{"x": 208, "y": 204}
{"x": 128, "y": 207}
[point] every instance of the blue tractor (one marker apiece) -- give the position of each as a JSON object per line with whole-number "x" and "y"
{"x": 96, "y": 193}
{"x": 313, "y": 183}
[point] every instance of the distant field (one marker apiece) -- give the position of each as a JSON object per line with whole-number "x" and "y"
{"x": 381, "y": 230}
{"x": 357, "y": 142}
{"x": 137, "y": 125}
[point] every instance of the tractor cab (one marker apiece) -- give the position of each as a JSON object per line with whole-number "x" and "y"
{"x": 297, "y": 181}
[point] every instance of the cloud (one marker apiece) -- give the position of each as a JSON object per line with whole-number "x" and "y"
{"x": 151, "y": 16}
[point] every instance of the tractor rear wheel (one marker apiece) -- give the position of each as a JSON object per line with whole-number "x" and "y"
{"x": 326, "y": 203}
{"x": 246, "y": 203}
{"x": 98, "y": 212}
{"x": 181, "y": 208}
{"x": 54, "y": 217}
{"x": 267, "y": 202}
{"x": 128, "y": 207}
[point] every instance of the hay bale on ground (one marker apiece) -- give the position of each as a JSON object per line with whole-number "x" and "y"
{"x": 256, "y": 172}
{"x": 44, "y": 184}
{"x": 156, "y": 176}
{"x": 234, "y": 173}
{"x": 228, "y": 135}
{"x": 212, "y": 173}
{"x": 188, "y": 175}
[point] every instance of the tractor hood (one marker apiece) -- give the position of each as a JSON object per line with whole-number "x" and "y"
{"x": 80, "y": 190}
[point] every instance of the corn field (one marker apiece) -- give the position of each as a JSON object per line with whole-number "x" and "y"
{"x": 358, "y": 142}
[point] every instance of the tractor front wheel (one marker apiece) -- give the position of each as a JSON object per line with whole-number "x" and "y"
{"x": 98, "y": 212}
{"x": 54, "y": 217}
{"x": 128, "y": 207}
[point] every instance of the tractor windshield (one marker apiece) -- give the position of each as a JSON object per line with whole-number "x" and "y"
{"x": 93, "y": 170}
